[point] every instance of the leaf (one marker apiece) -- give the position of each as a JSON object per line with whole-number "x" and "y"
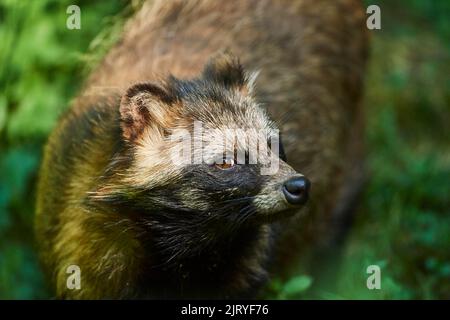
{"x": 296, "y": 285}
{"x": 3, "y": 113}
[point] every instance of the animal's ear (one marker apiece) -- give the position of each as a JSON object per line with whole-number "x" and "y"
{"x": 225, "y": 69}
{"x": 143, "y": 105}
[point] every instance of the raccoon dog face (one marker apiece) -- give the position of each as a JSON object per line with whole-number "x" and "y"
{"x": 205, "y": 153}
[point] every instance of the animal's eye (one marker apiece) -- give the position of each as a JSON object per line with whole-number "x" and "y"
{"x": 226, "y": 164}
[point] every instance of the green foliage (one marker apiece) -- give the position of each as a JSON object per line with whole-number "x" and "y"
{"x": 42, "y": 65}
{"x": 295, "y": 287}
{"x": 403, "y": 223}
{"x": 40, "y": 60}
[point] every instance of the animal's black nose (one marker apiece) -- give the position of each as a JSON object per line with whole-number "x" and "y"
{"x": 296, "y": 190}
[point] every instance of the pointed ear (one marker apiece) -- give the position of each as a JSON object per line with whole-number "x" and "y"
{"x": 226, "y": 70}
{"x": 143, "y": 105}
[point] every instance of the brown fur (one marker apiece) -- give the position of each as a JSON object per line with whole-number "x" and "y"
{"x": 311, "y": 56}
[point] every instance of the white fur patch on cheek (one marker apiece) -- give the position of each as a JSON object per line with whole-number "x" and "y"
{"x": 152, "y": 161}
{"x": 269, "y": 202}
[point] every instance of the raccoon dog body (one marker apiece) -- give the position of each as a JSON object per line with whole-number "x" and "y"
{"x": 111, "y": 198}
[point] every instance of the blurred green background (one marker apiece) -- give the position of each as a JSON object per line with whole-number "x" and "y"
{"x": 403, "y": 222}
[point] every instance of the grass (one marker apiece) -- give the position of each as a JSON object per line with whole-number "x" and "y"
{"x": 403, "y": 223}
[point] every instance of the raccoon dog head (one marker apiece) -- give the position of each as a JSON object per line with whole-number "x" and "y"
{"x": 203, "y": 152}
